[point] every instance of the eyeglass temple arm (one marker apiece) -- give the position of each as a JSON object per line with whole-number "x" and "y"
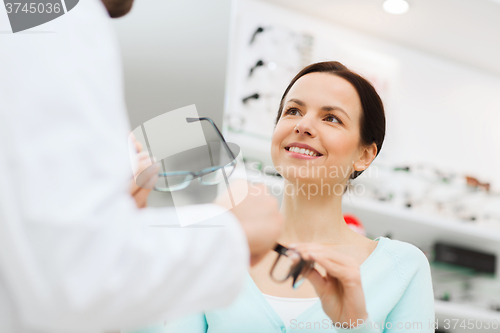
{"x": 191, "y": 120}
{"x": 280, "y": 248}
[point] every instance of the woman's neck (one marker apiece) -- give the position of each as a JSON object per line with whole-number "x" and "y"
{"x": 313, "y": 218}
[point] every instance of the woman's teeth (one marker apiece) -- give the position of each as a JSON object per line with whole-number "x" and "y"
{"x": 302, "y": 151}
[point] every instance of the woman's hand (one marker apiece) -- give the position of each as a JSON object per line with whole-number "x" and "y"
{"x": 140, "y": 187}
{"x": 340, "y": 291}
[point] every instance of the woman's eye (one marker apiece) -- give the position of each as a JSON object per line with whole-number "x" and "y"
{"x": 292, "y": 112}
{"x": 332, "y": 118}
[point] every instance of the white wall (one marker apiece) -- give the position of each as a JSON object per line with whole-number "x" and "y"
{"x": 438, "y": 112}
{"x": 175, "y": 54}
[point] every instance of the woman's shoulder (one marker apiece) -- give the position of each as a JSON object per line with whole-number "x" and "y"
{"x": 404, "y": 250}
{"x": 408, "y": 258}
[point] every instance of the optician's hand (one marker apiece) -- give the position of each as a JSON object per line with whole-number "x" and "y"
{"x": 259, "y": 216}
{"x": 340, "y": 291}
{"x": 140, "y": 187}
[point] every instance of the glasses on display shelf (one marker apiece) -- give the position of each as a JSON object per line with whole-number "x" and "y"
{"x": 289, "y": 264}
{"x": 178, "y": 180}
{"x": 473, "y": 182}
{"x": 272, "y": 66}
{"x": 256, "y": 32}
{"x": 266, "y": 102}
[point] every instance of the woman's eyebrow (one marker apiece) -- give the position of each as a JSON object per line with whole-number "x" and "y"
{"x": 297, "y": 101}
{"x": 333, "y": 108}
{"x": 326, "y": 108}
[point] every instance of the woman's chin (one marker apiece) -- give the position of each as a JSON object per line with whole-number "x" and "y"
{"x": 303, "y": 180}
{"x": 301, "y": 172}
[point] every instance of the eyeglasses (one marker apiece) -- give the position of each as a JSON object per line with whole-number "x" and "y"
{"x": 288, "y": 264}
{"x": 178, "y": 180}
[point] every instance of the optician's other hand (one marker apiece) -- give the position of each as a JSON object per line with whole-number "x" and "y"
{"x": 141, "y": 186}
{"x": 340, "y": 290}
{"x": 259, "y": 216}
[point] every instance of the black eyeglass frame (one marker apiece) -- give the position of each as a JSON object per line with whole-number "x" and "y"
{"x": 305, "y": 266}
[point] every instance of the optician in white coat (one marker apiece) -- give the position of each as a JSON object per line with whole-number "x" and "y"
{"x": 75, "y": 252}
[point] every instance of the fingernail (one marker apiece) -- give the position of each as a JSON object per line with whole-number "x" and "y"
{"x": 292, "y": 246}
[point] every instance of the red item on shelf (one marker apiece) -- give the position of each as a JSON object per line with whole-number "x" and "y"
{"x": 355, "y": 224}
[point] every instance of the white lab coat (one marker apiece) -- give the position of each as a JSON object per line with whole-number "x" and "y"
{"x": 76, "y": 255}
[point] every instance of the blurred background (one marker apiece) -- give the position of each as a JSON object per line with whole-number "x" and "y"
{"x": 435, "y": 63}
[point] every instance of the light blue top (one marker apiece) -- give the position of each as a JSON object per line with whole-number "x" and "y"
{"x": 396, "y": 280}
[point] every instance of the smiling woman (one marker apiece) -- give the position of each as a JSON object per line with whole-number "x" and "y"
{"x": 352, "y": 91}
{"x": 329, "y": 118}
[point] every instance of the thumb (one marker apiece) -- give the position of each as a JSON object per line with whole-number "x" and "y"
{"x": 318, "y": 282}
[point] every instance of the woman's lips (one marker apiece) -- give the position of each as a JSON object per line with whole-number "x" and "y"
{"x": 302, "y": 156}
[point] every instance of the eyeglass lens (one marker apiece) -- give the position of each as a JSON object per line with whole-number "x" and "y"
{"x": 289, "y": 263}
{"x": 284, "y": 265}
{"x": 173, "y": 182}
{"x": 302, "y": 273}
{"x": 217, "y": 176}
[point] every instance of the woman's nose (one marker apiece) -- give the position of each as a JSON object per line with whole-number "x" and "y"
{"x": 305, "y": 127}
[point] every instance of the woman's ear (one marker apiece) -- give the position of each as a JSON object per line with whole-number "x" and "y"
{"x": 367, "y": 154}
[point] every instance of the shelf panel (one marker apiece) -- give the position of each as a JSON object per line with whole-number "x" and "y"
{"x": 463, "y": 311}
{"x": 430, "y": 220}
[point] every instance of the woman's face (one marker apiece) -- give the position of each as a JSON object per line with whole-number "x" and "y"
{"x": 321, "y": 111}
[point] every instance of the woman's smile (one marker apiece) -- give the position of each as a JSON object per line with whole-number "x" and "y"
{"x": 302, "y": 151}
